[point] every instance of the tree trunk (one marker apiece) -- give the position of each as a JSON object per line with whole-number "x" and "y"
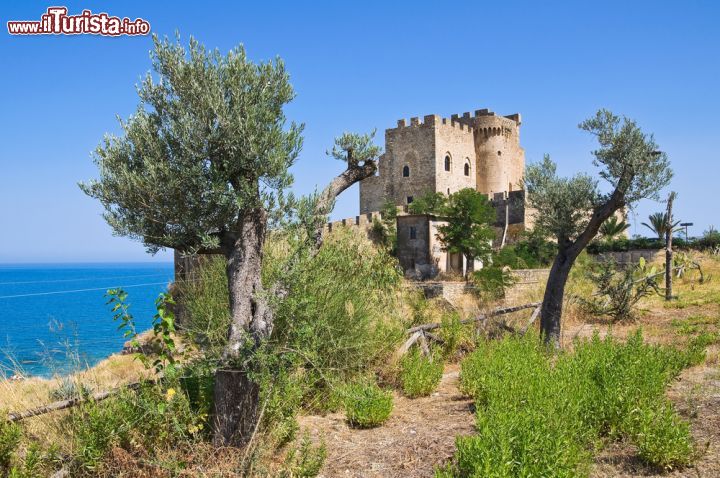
{"x": 353, "y": 174}
{"x": 469, "y": 266}
{"x": 236, "y": 396}
{"x": 668, "y": 248}
{"x": 551, "y": 311}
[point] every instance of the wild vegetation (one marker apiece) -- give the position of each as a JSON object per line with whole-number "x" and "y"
{"x": 283, "y": 320}
{"x": 540, "y": 414}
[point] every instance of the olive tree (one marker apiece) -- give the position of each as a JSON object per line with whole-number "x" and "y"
{"x": 200, "y": 167}
{"x": 573, "y": 209}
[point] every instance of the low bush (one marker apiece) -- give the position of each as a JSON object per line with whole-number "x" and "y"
{"x": 68, "y": 389}
{"x": 420, "y": 375}
{"x": 305, "y": 460}
{"x": 152, "y": 418}
{"x": 339, "y": 318}
{"x": 455, "y": 335}
{"x": 367, "y": 405}
{"x": 10, "y": 435}
{"x": 541, "y": 415}
{"x": 663, "y": 439}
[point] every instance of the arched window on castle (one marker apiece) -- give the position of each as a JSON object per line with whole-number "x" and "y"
{"x": 447, "y": 162}
{"x": 406, "y": 171}
{"x": 467, "y": 167}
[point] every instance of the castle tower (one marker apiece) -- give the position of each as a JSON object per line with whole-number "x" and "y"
{"x": 434, "y": 154}
{"x": 500, "y": 159}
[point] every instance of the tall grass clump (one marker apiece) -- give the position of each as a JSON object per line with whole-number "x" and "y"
{"x": 340, "y": 317}
{"x": 367, "y": 405}
{"x": 420, "y": 375}
{"x": 540, "y": 414}
{"x": 150, "y": 420}
{"x": 10, "y": 435}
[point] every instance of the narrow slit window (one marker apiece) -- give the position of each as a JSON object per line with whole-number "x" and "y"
{"x": 447, "y": 163}
{"x": 406, "y": 171}
{"x": 413, "y": 232}
{"x": 467, "y": 169}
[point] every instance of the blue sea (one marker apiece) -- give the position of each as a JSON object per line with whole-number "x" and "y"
{"x": 55, "y": 317}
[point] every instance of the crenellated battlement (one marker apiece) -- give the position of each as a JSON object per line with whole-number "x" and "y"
{"x": 362, "y": 220}
{"x": 433, "y": 121}
{"x": 483, "y": 120}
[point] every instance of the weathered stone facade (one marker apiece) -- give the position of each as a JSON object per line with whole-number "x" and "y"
{"x": 435, "y": 154}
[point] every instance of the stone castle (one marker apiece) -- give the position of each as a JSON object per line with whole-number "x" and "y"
{"x": 480, "y": 151}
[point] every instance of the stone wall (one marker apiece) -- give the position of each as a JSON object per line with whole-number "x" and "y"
{"x": 529, "y": 286}
{"x": 530, "y": 282}
{"x": 633, "y": 257}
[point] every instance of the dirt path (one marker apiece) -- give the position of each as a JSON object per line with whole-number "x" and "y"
{"x": 419, "y": 435}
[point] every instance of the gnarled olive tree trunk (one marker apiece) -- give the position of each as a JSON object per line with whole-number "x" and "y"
{"x": 568, "y": 252}
{"x": 237, "y": 395}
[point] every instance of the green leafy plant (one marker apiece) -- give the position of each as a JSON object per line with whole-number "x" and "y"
{"x": 367, "y": 405}
{"x": 662, "y": 437}
{"x": 620, "y": 289}
{"x": 163, "y": 328}
{"x": 659, "y": 224}
{"x": 492, "y": 281}
{"x": 420, "y": 375}
{"x": 540, "y": 414}
{"x": 10, "y": 435}
{"x": 305, "y": 460}
{"x": 68, "y": 389}
{"x": 455, "y": 335}
{"x": 613, "y": 227}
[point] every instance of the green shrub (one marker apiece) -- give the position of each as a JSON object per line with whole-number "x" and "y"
{"x": 10, "y": 435}
{"x": 339, "y": 318}
{"x": 306, "y": 460}
{"x": 153, "y": 417}
{"x": 367, "y": 405}
{"x": 420, "y": 375}
{"x": 205, "y": 300}
{"x": 539, "y": 415}
{"x": 69, "y": 389}
{"x": 492, "y": 281}
{"x": 663, "y": 439}
{"x": 455, "y": 335}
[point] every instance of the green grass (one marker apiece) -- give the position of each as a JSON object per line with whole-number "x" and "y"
{"x": 367, "y": 405}
{"x": 538, "y": 414}
{"x": 420, "y": 375}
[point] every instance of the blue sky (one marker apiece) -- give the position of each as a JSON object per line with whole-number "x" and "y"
{"x": 357, "y": 67}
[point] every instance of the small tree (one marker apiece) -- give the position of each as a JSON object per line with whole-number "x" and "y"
{"x": 573, "y": 209}
{"x": 200, "y": 167}
{"x": 468, "y": 232}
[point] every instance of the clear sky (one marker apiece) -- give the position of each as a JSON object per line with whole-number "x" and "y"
{"x": 357, "y": 67}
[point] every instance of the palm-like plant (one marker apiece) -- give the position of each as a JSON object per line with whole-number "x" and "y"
{"x": 613, "y": 227}
{"x": 659, "y": 224}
